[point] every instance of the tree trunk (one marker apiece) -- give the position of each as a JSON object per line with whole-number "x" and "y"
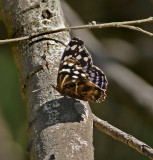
{"x": 60, "y": 128}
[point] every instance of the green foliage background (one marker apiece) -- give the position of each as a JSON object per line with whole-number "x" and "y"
{"x": 119, "y": 109}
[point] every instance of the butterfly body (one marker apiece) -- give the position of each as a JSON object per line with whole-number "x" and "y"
{"x": 78, "y": 77}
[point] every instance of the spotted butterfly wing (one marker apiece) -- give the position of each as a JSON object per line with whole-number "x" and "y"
{"x": 76, "y": 49}
{"x": 78, "y": 77}
{"x": 97, "y": 77}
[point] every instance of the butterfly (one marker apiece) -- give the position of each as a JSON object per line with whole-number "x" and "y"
{"x": 77, "y": 76}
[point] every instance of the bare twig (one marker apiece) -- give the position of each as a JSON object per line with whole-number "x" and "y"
{"x": 136, "y": 29}
{"x": 126, "y": 24}
{"x": 119, "y": 135}
{"x": 8, "y": 41}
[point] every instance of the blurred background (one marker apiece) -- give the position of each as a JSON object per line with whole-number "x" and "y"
{"x": 125, "y": 56}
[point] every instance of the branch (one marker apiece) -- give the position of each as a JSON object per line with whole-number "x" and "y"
{"x": 121, "y": 136}
{"x": 126, "y": 24}
{"x": 136, "y": 29}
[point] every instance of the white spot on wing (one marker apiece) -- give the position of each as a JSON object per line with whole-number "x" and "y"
{"x": 81, "y": 49}
{"x": 75, "y": 76}
{"x": 65, "y": 70}
{"x": 78, "y": 57}
{"x": 65, "y": 63}
{"x": 73, "y": 47}
{"x": 70, "y": 64}
{"x": 83, "y": 75}
{"x": 76, "y": 72}
{"x": 67, "y": 48}
{"x": 85, "y": 59}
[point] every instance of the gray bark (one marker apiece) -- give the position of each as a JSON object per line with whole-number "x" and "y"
{"x": 59, "y": 128}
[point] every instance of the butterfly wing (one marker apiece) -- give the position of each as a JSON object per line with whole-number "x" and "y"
{"x": 76, "y": 49}
{"x": 71, "y": 71}
{"x": 97, "y": 77}
{"x": 70, "y": 77}
{"x": 78, "y": 77}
